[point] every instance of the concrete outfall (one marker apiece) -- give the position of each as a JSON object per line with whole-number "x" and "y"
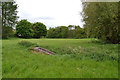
{"x": 39, "y": 49}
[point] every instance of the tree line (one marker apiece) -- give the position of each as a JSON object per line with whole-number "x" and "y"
{"x": 101, "y": 21}
{"x": 71, "y": 31}
{"x": 25, "y": 29}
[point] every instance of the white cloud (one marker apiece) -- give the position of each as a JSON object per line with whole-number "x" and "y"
{"x": 51, "y": 12}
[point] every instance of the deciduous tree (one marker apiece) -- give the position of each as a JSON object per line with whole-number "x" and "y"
{"x": 9, "y": 18}
{"x": 101, "y": 20}
{"x": 39, "y": 30}
{"x": 24, "y": 29}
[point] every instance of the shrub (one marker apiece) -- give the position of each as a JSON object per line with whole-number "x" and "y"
{"x": 24, "y": 29}
{"x": 26, "y": 43}
{"x": 7, "y": 32}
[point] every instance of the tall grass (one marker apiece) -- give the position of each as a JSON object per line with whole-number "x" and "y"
{"x": 75, "y": 58}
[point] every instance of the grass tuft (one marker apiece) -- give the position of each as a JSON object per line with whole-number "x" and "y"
{"x": 27, "y": 43}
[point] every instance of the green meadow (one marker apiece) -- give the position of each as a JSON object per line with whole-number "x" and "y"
{"x": 75, "y": 58}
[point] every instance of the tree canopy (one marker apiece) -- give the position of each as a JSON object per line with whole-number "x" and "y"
{"x": 24, "y": 29}
{"x": 39, "y": 30}
{"x": 101, "y": 20}
{"x": 9, "y": 18}
{"x": 71, "y": 31}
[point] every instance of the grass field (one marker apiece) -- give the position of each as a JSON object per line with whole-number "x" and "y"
{"x": 75, "y": 58}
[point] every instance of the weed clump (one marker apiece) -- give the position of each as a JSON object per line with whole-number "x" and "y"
{"x": 27, "y": 43}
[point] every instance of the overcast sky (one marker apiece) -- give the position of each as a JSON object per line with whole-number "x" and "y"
{"x": 51, "y": 12}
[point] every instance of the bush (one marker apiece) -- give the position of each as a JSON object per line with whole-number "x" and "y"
{"x": 24, "y": 29}
{"x": 39, "y": 30}
{"x": 27, "y": 43}
{"x": 7, "y": 32}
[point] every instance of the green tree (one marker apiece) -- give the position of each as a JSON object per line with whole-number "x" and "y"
{"x": 67, "y": 32}
{"x": 64, "y": 31}
{"x": 24, "y": 29}
{"x": 39, "y": 30}
{"x": 71, "y": 31}
{"x": 101, "y": 20}
{"x": 79, "y": 32}
{"x": 58, "y": 32}
{"x": 9, "y": 18}
{"x": 51, "y": 33}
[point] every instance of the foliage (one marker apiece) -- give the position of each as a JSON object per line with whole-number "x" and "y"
{"x": 7, "y": 32}
{"x": 39, "y": 30}
{"x": 51, "y": 33}
{"x": 9, "y": 18}
{"x": 79, "y": 32}
{"x": 64, "y": 31}
{"x": 101, "y": 21}
{"x": 71, "y": 31}
{"x": 58, "y": 32}
{"x": 67, "y": 32}
{"x": 26, "y": 43}
{"x": 24, "y": 29}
